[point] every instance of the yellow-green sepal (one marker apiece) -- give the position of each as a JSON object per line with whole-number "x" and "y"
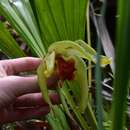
{"x": 79, "y": 85}
{"x": 104, "y": 60}
{"x": 50, "y": 64}
{"x": 42, "y": 83}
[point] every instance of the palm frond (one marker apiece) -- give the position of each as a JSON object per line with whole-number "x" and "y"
{"x": 61, "y": 20}
{"x": 8, "y": 45}
{"x": 13, "y": 11}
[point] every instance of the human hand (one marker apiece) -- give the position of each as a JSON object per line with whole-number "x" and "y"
{"x": 19, "y": 96}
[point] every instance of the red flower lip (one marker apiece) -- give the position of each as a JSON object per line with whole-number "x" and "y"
{"x": 65, "y": 68}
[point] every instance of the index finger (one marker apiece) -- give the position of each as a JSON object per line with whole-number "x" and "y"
{"x": 14, "y": 66}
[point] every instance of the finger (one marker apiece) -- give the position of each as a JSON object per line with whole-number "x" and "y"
{"x": 2, "y": 72}
{"x": 15, "y": 85}
{"x": 7, "y": 116}
{"x": 35, "y": 99}
{"x": 14, "y": 66}
{"x": 21, "y": 85}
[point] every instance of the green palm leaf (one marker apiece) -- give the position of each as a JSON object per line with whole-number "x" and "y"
{"x": 58, "y": 20}
{"x": 8, "y": 44}
{"x": 20, "y": 24}
{"x": 61, "y": 20}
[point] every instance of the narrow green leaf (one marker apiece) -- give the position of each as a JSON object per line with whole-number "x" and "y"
{"x": 54, "y": 122}
{"x": 83, "y": 8}
{"x": 58, "y": 17}
{"x": 8, "y": 45}
{"x": 75, "y": 109}
{"x": 61, "y": 116}
{"x": 24, "y": 10}
{"x": 98, "y": 74}
{"x": 91, "y": 117}
{"x": 69, "y": 16}
{"x": 76, "y": 18}
{"x": 122, "y": 73}
{"x": 7, "y": 11}
{"x": 74, "y": 11}
{"x": 64, "y": 103}
{"x": 46, "y": 21}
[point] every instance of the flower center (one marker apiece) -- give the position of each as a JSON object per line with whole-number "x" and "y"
{"x": 65, "y": 68}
